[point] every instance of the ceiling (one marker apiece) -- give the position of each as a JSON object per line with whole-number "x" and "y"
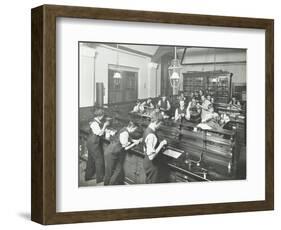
{"x": 148, "y": 49}
{"x": 156, "y": 52}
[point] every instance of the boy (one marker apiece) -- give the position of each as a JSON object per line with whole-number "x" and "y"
{"x": 115, "y": 155}
{"x": 95, "y": 162}
{"x": 152, "y": 146}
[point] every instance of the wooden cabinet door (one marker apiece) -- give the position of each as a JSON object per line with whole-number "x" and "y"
{"x": 126, "y": 90}
{"x": 133, "y": 169}
{"x": 130, "y": 90}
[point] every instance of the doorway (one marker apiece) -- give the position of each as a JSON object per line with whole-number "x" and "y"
{"x": 126, "y": 90}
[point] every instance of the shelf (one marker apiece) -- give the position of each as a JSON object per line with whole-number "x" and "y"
{"x": 220, "y": 89}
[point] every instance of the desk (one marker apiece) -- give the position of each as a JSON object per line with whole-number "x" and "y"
{"x": 207, "y": 154}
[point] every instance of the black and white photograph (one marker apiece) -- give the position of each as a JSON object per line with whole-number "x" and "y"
{"x": 161, "y": 114}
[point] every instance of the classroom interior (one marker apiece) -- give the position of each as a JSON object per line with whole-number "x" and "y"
{"x": 206, "y": 142}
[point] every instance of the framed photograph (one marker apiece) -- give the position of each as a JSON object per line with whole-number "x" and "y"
{"x": 140, "y": 114}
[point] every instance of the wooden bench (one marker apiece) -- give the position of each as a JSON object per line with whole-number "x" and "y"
{"x": 207, "y": 155}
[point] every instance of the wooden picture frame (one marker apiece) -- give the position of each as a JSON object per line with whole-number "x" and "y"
{"x": 43, "y": 205}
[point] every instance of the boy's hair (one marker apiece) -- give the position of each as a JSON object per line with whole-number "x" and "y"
{"x": 98, "y": 113}
{"x": 156, "y": 117}
{"x": 131, "y": 124}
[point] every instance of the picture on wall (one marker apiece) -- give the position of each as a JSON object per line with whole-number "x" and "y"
{"x": 153, "y": 114}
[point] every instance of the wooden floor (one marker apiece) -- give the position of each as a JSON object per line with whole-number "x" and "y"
{"x": 82, "y": 182}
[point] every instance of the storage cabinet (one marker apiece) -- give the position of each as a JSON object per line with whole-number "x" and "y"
{"x": 217, "y": 83}
{"x": 239, "y": 90}
{"x": 133, "y": 169}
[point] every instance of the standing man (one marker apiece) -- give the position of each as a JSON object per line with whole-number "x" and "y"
{"x": 193, "y": 111}
{"x": 181, "y": 112}
{"x": 181, "y": 97}
{"x": 115, "y": 155}
{"x": 164, "y": 106}
{"x": 197, "y": 96}
{"x": 204, "y": 106}
{"x": 152, "y": 165}
{"x": 201, "y": 93}
{"x": 95, "y": 163}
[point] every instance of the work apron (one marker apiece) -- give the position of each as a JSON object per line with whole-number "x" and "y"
{"x": 194, "y": 115}
{"x": 95, "y": 163}
{"x": 114, "y": 161}
{"x": 180, "y": 112}
{"x": 164, "y": 106}
{"x": 155, "y": 170}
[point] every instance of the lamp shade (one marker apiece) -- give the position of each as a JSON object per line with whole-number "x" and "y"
{"x": 175, "y": 76}
{"x": 174, "y": 73}
{"x": 117, "y": 75}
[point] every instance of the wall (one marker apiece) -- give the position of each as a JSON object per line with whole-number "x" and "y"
{"x": 86, "y": 76}
{"x": 105, "y": 56}
{"x": 153, "y": 79}
{"x": 15, "y": 91}
{"x": 158, "y": 91}
{"x": 95, "y": 61}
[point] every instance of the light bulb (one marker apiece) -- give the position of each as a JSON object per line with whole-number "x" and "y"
{"x": 175, "y": 76}
{"x": 117, "y": 75}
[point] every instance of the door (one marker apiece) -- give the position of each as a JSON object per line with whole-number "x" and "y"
{"x": 126, "y": 90}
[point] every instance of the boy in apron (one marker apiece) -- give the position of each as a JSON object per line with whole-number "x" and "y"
{"x": 95, "y": 163}
{"x": 204, "y": 106}
{"x": 164, "y": 106}
{"x": 152, "y": 163}
{"x": 115, "y": 155}
{"x": 193, "y": 111}
{"x": 180, "y": 112}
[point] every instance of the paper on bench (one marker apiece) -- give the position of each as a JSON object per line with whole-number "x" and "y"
{"x": 172, "y": 153}
{"x": 204, "y": 126}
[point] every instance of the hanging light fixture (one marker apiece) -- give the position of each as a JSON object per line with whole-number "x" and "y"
{"x": 215, "y": 62}
{"x": 117, "y": 75}
{"x": 174, "y": 71}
